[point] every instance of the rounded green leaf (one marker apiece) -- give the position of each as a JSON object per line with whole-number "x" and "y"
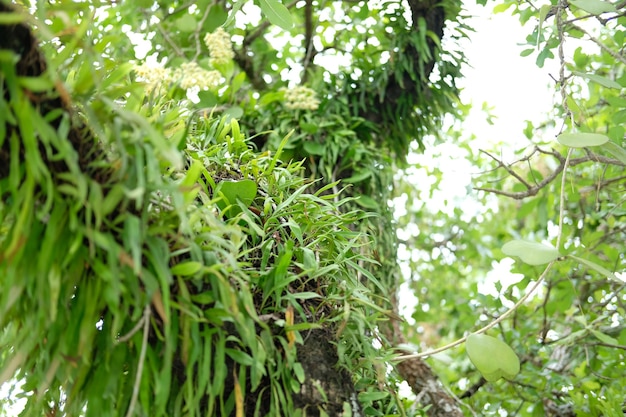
{"x": 581, "y": 140}
{"x": 492, "y": 357}
{"x": 532, "y": 253}
{"x": 244, "y": 190}
{"x": 233, "y": 191}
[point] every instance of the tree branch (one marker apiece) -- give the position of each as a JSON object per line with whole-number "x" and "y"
{"x": 196, "y": 32}
{"x": 309, "y": 49}
{"x": 474, "y": 388}
{"x": 243, "y": 57}
{"x": 532, "y": 190}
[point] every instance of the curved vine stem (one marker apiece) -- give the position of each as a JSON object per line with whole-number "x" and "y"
{"x": 495, "y": 322}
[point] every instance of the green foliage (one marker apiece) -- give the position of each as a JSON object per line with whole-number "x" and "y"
{"x": 492, "y": 357}
{"x": 177, "y": 271}
{"x": 179, "y": 248}
{"x": 219, "y": 195}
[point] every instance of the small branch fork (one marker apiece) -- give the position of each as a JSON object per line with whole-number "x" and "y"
{"x": 243, "y": 58}
{"x": 533, "y": 189}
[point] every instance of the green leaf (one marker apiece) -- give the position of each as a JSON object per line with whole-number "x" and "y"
{"x": 531, "y": 253}
{"x": 36, "y": 84}
{"x": 594, "y": 6}
{"x": 617, "y": 151}
{"x": 602, "y": 270}
{"x": 277, "y": 13}
{"x": 527, "y": 52}
{"x": 543, "y": 13}
{"x": 186, "y": 23}
{"x": 233, "y": 191}
{"x": 603, "y": 81}
{"x": 604, "y": 337}
{"x": 502, "y": 7}
{"x": 298, "y": 370}
{"x": 372, "y": 396}
{"x": 207, "y": 99}
{"x": 311, "y": 128}
{"x": 216, "y": 18}
{"x": 492, "y": 357}
{"x": 186, "y": 268}
{"x": 367, "y": 202}
{"x": 234, "y": 112}
{"x": 235, "y": 9}
{"x": 581, "y": 140}
{"x": 240, "y": 357}
{"x": 314, "y": 148}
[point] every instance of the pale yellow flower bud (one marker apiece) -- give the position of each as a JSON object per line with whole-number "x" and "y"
{"x": 191, "y": 74}
{"x": 154, "y": 76}
{"x": 220, "y": 47}
{"x": 300, "y": 98}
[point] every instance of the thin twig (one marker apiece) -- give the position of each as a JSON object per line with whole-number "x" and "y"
{"x": 534, "y": 189}
{"x": 127, "y": 336}
{"x": 562, "y": 199}
{"x": 602, "y": 46}
{"x": 247, "y": 41}
{"x": 509, "y": 170}
{"x": 196, "y": 32}
{"x": 142, "y": 358}
{"x": 179, "y": 9}
{"x": 309, "y": 48}
{"x": 169, "y": 40}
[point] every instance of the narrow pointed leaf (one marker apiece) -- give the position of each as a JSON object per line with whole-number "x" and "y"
{"x": 604, "y": 337}
{"x": 597, "y": 268}
{"x": 603, "y": 81}
{"x": 543, "y": 13}
{"x": 276, "y": 13}
{"x": 617, "y": 151}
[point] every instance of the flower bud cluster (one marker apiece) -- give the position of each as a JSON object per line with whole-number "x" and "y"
{"x": 300, "y": 98}
{"x": 187, "y": 75}
{"x": 191, "y": 74}
{"x": 220, "y": 47}
{"x": 154, "y": 76}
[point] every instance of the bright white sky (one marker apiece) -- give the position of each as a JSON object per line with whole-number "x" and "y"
{"x": 513, "y": 86}
{"x": 515, "y": 90}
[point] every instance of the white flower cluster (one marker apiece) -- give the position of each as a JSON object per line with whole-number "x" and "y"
{"x": 300, "y": 98}
{"x": 191, "y": 74}
{"x": 220, "y": 47}
{"x": 154, "y": 76}
{"x": 187, "y": 75}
